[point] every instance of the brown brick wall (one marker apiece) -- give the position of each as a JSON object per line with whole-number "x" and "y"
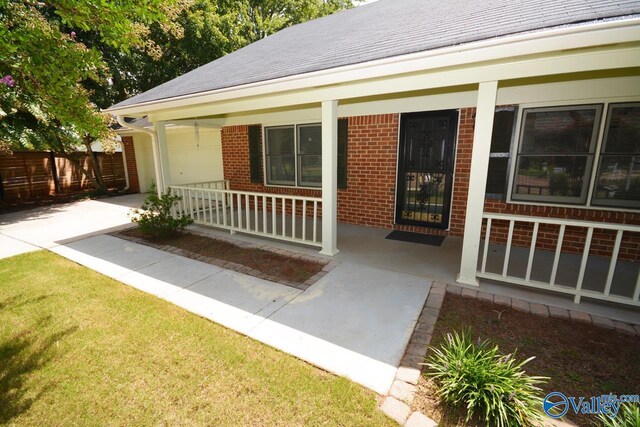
{"x": 371, "y": 181}
{"x": 132, "y": 169}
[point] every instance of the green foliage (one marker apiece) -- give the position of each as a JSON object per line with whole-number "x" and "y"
{"x": 156, "y": 216}
{"x": 628, "y": 416}
{"x": 210, "y": 29}
{"x": 490, "y": 386}
{"x": 50, "y": 67}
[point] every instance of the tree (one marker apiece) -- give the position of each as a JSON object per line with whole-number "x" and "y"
{"x": 45, "y": 100}
{"x": 211, "y": 29}
{"x": 64, "y": 60}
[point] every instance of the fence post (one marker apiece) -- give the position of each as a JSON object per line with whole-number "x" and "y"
{"x": 54, "y": 172}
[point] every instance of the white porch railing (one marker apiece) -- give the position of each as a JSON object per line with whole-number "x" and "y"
{"x": 222, "y": 184}
{"x": 283, "y": 217}
{"x": 578, "y": 291}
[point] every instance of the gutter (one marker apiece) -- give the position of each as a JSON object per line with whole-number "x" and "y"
{"x": 126, "y": 169}
{"x": 537, "y": 42}
{"x": 154, "y": 148}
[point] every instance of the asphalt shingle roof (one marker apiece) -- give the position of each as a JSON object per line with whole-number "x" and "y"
{"x": 379, "y": 30}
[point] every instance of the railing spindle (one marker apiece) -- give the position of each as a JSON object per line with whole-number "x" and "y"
{"x": 556, "y": 258}
{"x": 315, "y": 221}
{"x": 273, "y": 215}
{"x": 284, "y": 217}
{"x": 507, "y": 253}
{"x": 583, "y": 264}
{"x": 293, "y": 218}
{"x": 487, "y": 236}
{"x": 255, "y": 212}
{"x": 304, "y": 219}
{"x": 264, "y": 214}
{"x": 532, "y": 250}
{"x": 614, "y": 261}
{"x": 247, "y": 212}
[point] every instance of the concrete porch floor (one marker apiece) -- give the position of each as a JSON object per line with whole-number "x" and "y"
{"x": 367, "y": 246}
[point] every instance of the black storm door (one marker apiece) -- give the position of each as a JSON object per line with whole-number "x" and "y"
{"x": 425, "y": 168}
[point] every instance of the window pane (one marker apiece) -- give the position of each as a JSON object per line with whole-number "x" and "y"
{"x": 310, "y": 139}
{"x": 565, "y": 131}
{"x": 311, "y": 170}
{"x": 618, "y": 182}
{"x": 623, "y": 131}
{"x": 497, "y": 175}
{"x": 280, "y": 141}
{"x": 556, "y": 177}
{"x": 281, "y": 169}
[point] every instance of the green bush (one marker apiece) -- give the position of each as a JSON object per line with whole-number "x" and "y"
{"x": 490, "y": 386}
{"x": 156, "y": 218}
{"x": 628, "y": 416}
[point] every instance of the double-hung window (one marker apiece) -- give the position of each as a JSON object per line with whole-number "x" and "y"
{"x": 618, "y": 178}
{"x": 556, "y": 154}
{"x": 294, "y": 155}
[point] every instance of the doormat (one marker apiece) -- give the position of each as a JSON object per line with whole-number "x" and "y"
{"x": 425, "y": 239}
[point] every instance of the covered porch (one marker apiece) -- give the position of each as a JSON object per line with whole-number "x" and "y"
{"x": 368, "y": 247}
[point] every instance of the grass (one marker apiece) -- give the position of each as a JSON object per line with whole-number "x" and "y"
{"x": 79, "y": 348}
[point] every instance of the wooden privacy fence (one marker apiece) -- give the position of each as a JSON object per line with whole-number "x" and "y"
{"x": 29, "y": 174}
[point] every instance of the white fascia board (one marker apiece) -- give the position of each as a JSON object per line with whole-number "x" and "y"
{"x": 535, "y": 43}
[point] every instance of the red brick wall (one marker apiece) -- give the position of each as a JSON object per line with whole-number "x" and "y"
{"x": 371, "y": 169}
{"x": 132, "y": 169}
{"x": 369, "y": 198}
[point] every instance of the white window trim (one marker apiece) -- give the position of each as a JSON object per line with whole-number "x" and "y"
{"x": 596, "y": 159}
{"x": 295, "y": 141}
{"x": 590, "y": 155}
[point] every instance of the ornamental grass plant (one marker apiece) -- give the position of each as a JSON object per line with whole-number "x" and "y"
{"x": 490, "y": 386}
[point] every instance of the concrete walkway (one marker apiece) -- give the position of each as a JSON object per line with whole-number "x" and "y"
{"x": 356, "y": 321}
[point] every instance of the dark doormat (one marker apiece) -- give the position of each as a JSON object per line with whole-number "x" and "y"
{"x": 425, "y": 239}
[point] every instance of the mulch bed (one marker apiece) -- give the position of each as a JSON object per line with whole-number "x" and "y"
{"x": 580, "y": 359}
{"x": 287, "y": 268}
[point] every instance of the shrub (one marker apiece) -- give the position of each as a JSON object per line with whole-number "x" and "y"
{"x": 155, "y": 216}
{"x": 490, "y": 386}
{"x": 628, "y": 416}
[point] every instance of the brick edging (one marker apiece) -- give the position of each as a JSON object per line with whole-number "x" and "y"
{"x": 397, "y": 405}
{"x": 229, "y": 265}
{"x": 544, "y": 310}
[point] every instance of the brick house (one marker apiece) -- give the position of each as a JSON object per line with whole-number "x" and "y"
{"x": 515, "y": 134}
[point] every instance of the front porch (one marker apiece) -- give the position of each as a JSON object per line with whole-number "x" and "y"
{"x": 368, "y": 247}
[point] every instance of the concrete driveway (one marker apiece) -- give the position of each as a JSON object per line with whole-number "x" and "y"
{"x": 50, "y": 226}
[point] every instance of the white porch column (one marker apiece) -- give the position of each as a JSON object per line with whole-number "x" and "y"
{"x": 329, "y": 177}
{"x": 163, "y": 155}
{"x": 486, "y": 105}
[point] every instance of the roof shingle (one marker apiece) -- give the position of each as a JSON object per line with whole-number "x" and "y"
{"x": 379, "y": 30}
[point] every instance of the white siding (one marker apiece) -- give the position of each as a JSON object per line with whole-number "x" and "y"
{"x": 191, "y": 159}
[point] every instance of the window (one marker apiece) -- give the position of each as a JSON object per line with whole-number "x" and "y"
{"x": 618, "y": 178}
{"x": 293, "y": 154}
{"x": 310, "y": 155}
{"x": 556, "y": 154}
{"x": 280, "y": 154}
{"x": 498, "y": 173}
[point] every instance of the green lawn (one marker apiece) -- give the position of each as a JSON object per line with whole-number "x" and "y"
{"x": 79, "y": 348}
